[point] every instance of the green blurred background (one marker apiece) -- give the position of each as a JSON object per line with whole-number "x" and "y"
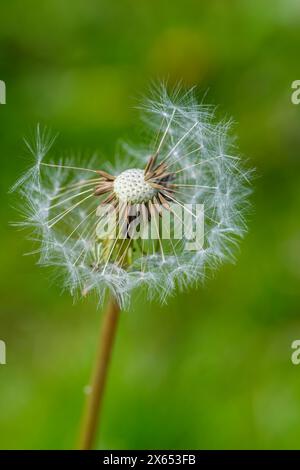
{"x": 212, "y": 369}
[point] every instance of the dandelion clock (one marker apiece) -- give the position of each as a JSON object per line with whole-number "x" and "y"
{"x": 166, "y": 214}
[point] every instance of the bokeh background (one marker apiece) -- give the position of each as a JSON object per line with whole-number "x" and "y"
{"x": 212, "y": 369}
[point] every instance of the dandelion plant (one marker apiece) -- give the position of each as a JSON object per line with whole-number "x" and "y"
{"x": 85, "y": 216}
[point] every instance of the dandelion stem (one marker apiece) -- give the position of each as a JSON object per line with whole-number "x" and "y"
{"x": 92, "y": 413}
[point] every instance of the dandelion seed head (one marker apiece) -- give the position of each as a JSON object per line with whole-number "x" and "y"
{"x": 188, "y": 157}
{"x": 130, "y": 187}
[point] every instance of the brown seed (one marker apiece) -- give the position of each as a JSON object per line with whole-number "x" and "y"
{"x": 106, "y": 175}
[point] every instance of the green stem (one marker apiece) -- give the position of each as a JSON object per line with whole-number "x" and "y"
{"x": 92, "y": 414}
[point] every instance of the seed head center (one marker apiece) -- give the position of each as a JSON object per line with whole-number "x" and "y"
{"x": 131, "y": 187}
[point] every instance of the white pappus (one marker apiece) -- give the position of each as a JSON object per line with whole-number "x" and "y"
{"x": 189, "y": 158}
